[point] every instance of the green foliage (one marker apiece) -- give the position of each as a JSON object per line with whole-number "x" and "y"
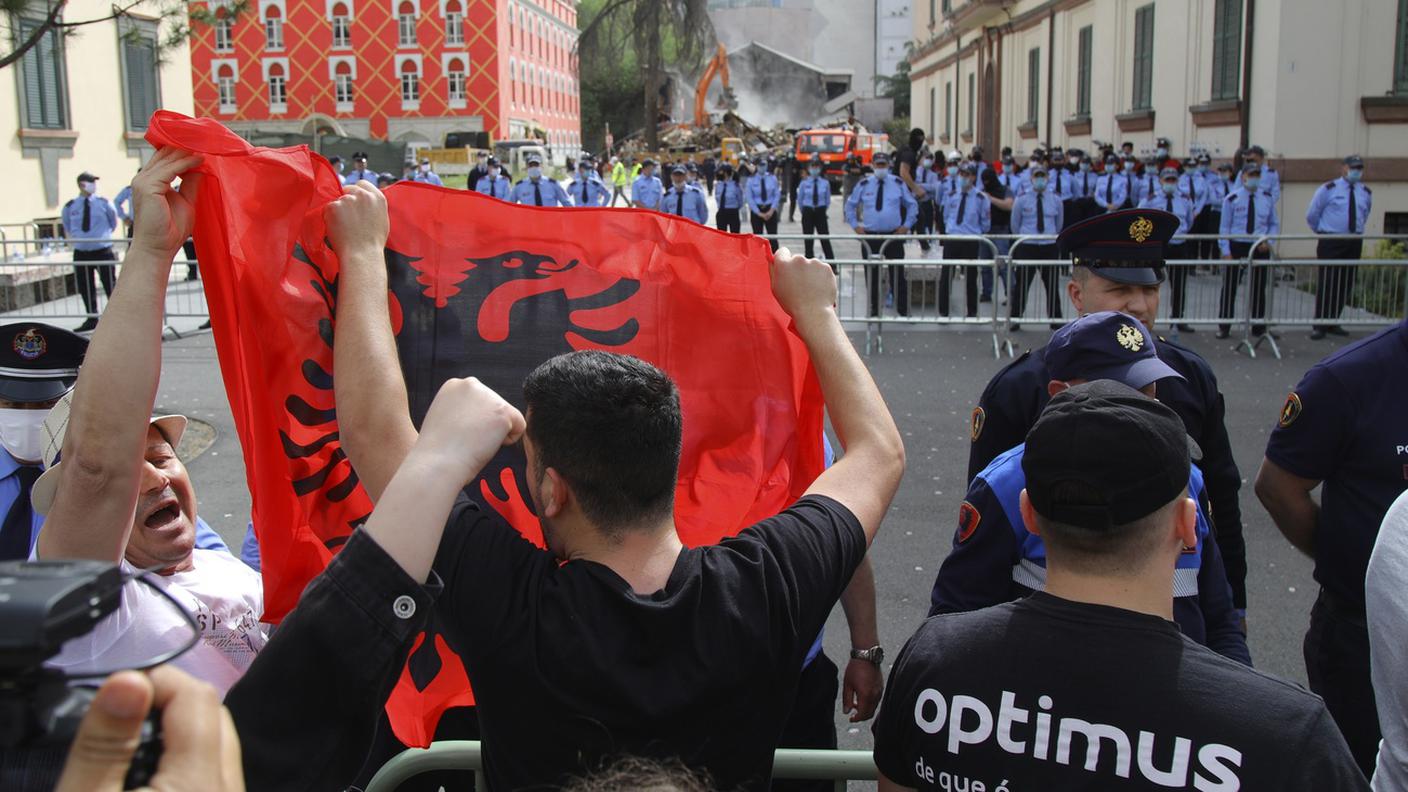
{"x": 1381, "y": 289}
{"x": 896, "y": 86}
{"x": 898, "y": 128}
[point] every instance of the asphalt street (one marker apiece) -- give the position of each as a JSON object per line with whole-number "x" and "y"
{"x": 931, "y": 379}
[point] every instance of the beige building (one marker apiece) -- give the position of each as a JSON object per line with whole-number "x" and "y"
{"x": 1310, "y": 81}
{"x": 80, "y": 102}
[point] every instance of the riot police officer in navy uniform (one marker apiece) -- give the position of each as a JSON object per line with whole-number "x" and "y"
{"x": 1125, "y": 251}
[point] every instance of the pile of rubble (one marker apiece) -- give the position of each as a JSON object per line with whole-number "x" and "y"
{"x": 686, "y": 137}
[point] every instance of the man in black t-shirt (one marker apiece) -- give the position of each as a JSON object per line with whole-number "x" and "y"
{"x": 1089, "y": 684}
{"x": 616, "y": 640}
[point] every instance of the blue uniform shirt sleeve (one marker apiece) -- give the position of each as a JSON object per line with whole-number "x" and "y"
{"x": 911, "y": 208}
{"x": 1229, "y": 208}
{"x": 852, "y": 202}
{"x": 208, "y": 539}
{"x": 1317, "y": 206}
{"x": 1315, "y": 422}
{"x": 1273, "y": 223}
{"x": 978, "y": 570}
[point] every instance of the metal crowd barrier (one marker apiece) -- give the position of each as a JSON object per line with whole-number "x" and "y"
{"x": 39, "y": 281}
{"x": 788, "y": 763}
{"x": 922, "y": 280}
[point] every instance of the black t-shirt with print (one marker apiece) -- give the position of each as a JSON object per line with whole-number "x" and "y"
{"x": 571, "y": 668}
{"x": 1048, "y": 694}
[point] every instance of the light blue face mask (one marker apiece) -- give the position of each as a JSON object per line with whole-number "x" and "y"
{"x": 1085, "y": 167}
{"x": 1252, "y": 183}
{"x": 534, "y": 173}
{"x": 953, "y": 170}
{"x": 814, "y": 170}
{"x": 1202, "y": 167}
{"x": 1039, "y": 183}
{"x": 1169, "y": 187}
{"x": 1353, "y": 175}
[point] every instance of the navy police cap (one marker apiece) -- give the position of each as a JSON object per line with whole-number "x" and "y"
{"x": 1125, "y": 246}
{"x": 1106, "y": 345}
{"x": 38, "y": 362}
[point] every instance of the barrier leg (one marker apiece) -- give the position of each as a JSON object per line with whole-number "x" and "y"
{"x": 1246, "y": 342}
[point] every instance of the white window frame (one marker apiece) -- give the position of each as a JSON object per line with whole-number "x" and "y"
{"x": 215, "y": 64}
{"x": 344, "y": 23}
{"x": 265, "y": 65}
{"x": 401, "y": 60}
{"x": 462, "y": 101}
{"x": 225, "y": 25}
{"x": 333, "y": 63}
{"x": 351, "y": 9}
{"x": 264, "y": 6}
{"x": 454, "y": 28}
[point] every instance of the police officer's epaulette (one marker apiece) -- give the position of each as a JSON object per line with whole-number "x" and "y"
{"x": 1327, "y": 185}
{"x": 1231, "y": 196}
{"x": 1366, "y": 189}
{"x": 70, "y": 203}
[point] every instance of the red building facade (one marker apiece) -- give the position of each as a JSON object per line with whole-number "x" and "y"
{"x": 393, "y": 69}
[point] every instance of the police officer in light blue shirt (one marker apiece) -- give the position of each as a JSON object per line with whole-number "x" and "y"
{"x": 814, "y": 198}
{"x": 359, "y": 170}
{"x": 38, "y": 365}
{"x": 1248, "y": 212}
{"x": 496, "y": 184}
{"x": 90, "y": 221}
{"x": 682, "y": 200}
{"x": 1037, "y": 211}
{"x": 1173, "y": 200}
{"x": 728, "y": 197}
{"x": 425, "y": 175}
{"x": 534, "y": 190}
{"x": 966, "y": 212}
{"x": 647, "y": 190}
{"x": 587, "y": 188}
{"x": 1112, "y": 188}
{"x": 882, "y": 203}
{"x": 1270, "y": 179}
{"x": 1060, "y": 183}
{"x": 123, "y": 204}
{"x": 928, "y": 179}
{"x": 1338, "y": 207}
{"x": 764, "y": 196}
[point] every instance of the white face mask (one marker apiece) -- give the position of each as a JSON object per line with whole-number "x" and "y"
{"x": 20, "y": 433}
{"x": 534, "y": 173}
{"x": 493, "y": 173}
{"x": 425, "y": 167}
{"x": 881, "y": 173}
{"x": 88, "y": 187}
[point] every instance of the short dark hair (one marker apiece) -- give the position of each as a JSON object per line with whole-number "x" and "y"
{"x": 611, "y": 425}
{"x": 1099, "y": 550}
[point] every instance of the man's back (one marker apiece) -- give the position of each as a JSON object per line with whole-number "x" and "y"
{"x": 571, "y": 668}
{"x": 1050, "y": 694}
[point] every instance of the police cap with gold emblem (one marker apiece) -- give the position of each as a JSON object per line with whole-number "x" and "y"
{"x": 1125, "y": 246}
{"x": 1106, "y": 345}
{"x": 38, "y": 362}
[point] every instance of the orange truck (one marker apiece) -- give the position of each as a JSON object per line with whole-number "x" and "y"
{"x": 832, "y": 147}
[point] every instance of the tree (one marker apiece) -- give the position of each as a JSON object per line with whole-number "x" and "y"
{"x": 653, "y": 34}
{"x": 175, "y": 16}
{"x": 896, "y": 86}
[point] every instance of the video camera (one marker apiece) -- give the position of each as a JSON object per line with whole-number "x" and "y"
{"x": 43, "y": 604}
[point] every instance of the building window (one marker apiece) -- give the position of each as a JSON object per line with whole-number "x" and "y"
{"x": 225, "y": 84}
{"x": 948, "y": 111}
{"x": 1226, "y": 48}
{"x": 1033, "y": 84}
{"x": 1144, "y": 57}
{"x": 1086, "y": 47}
{"x": 278, "y": 89}
{"x": 406, "y": 24}
{"x": 1400, "y": 55}
{"x": 139, "y": 73}
{"x": 410, "y": 85}
{"x": 933, "y": 18}
{"x": 224, "y": 31}
{"x": 342, "y": 86}
{"x": 273, "y": 28}
{"x": 454, "y": 24}
{"x": 42, "y": 71}
{"x": 458, "y": 85}
{"x": 972, "y": 92}
{"x": 341, "y": 27}
{"x": 1396, "y": 223}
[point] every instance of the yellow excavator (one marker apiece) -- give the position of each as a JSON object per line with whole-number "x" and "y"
{"x": 717, "y": 66}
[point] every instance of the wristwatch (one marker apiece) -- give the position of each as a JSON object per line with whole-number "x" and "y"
{"x": 874, "y": 655}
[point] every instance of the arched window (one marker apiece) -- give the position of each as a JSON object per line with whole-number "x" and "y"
{"x": 455, "y": 76}
{"x": 273, "y": 28}
{"x": 342, "y": 85}
{"x": 278, "y": 88}
{"x": 225, "y": 83}
{"x": 410, "y": 82}
{"x": 341, "y": 26}
{"x": 224, "y": 30}
{"x": 454, "y": 23}
{"x": 406, "y": 24}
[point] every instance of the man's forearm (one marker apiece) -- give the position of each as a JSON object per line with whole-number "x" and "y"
{"x": 410, "y": 516}
{"x": 858, "y": 413}
{"x": 369, "y": 388}
{"x": 1290, "y": 506}
{"x": 106, "y": 435}
{"x": 858, "y": 603}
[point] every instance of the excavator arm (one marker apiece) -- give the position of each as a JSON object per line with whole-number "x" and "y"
{"x": 717, "y": 67}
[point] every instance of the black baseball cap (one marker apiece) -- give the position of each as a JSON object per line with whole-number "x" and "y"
{"x": 38, "y": 362}
{"x": 880, "y": 158}
{"x": 1126, "y": 246}
{"x": 1115, "y": 441}
{"x": 1354, "y": 161}
{"x": 1107, "y": 345}
{"x": 86, "y": 176}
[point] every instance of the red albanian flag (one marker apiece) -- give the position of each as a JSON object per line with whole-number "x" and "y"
{"x": 490, "y": 289}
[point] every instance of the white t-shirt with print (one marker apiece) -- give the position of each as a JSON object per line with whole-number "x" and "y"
{"x": 226, "y": 599}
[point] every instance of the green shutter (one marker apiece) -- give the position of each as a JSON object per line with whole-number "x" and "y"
{"x": 42, "y": 68}
{"x": 1144, "y": 57}
{"x": 1083, "y": 71}
{"x": 1400, "y": 61}
{"x": 139, "y": 59}
{"x": 1033, "y": 84}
